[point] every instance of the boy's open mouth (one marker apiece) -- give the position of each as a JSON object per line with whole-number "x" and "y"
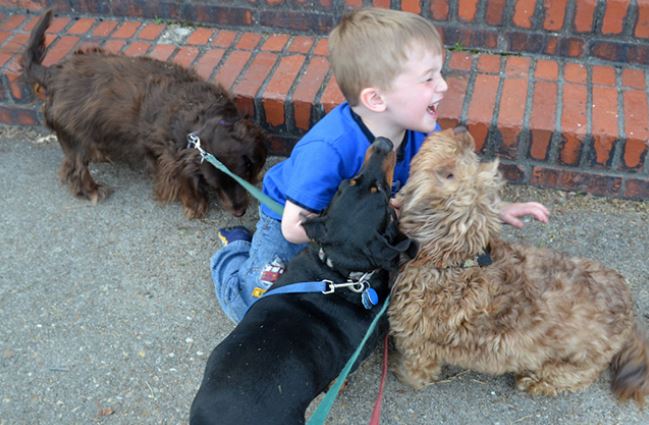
{"x": 432, "y": 109}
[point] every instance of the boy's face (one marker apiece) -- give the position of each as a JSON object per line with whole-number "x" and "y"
{"x": 413, "y": 99}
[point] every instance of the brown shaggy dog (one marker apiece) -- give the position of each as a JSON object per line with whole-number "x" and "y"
{"x": 106, "y": 107}
{"x": 556, "y": 322}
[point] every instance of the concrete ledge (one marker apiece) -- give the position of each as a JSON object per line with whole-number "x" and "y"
{"x": 554, "y": 122}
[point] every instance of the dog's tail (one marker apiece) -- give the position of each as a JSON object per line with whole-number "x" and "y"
{"x": 33, "y": 71}
{"x": 630, "y": 368}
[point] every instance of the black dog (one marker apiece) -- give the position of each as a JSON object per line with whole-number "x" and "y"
{"x": 106, "y": 107}
{"x": 289, "y": 347}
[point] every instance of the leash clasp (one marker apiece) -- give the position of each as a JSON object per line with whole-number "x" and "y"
{"x": 331, "y": 287}
{"x": 193, "y": 141}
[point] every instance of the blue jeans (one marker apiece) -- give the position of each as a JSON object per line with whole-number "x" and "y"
{"x": 236, "y": 267}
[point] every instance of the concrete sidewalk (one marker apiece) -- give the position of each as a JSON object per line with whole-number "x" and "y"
{"x": 108, "y": 313}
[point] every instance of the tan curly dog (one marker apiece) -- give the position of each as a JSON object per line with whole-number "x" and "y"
{"x": 555, "y": 321}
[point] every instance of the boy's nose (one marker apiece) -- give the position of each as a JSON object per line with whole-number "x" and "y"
{"x": 442, "y": 87}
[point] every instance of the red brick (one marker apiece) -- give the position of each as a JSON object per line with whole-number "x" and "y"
{"x": 439, "y": 10}
{"x": 575, "y": 181}
{"x": 321, "y": 47}
{"x": 16, "y": 44}
{"x": 555, "y": 13}
{"x": 450, "y": 109}
{"x": 114, "y": 46}
{"x": 467, "y": 9}
{"x": 385, "y": 4}
{"x": 494, "y": 12}
{"x": 542, "y": 118}
{"x": 546, "y": 70}
{"x": 126, "y": 30}
{"x": 524, "y": 13}
{"x": 104, "y": 28}
{"x": 604, "y": 122}
{"x": 207, "y": 63}
{"x": 512, "y": 172}
{"x": 412, "y": 6}
{"x": 489, "y": 63}
{"x": 331, "y": 96}
{"x": 252, "y": 80}
{"x": 163, "y": 51}
{"x": 26, "y": 117}
{"x": 575, "y": 73}
{"x": 137, "y": 48}
{"x": 460, "y": 61}
{"x": 200, "y": 36}
{"x": 82, "y": 26}
{"x": 300, "y": 44}
{"x": 634, "y": 78}
{"x": 4, "y": 35}
{"x": 636, "y": 127}
{"x": 603, "y": 75}
{"x": 16, "y": 88}
{"x": 57, "y": 25}
{"x": 278, "y": 87}
{"x": 58, "y": 51}
{"x": 306, "y": 90}
{"x": 512, "y": 107}
{"x": 275, "y": 43}
{"x": 613, "y": 22}
{"x": 248, "y": 41}
{"x": 637, "y": 189}
{"x": 232, "y": 67}
{"x": 573, "y": 122}
{"x": 642, "y": 22}
{"x": 185, "y": 56}
{"x": 224, "y": 38}
{"x": 354, "y": 4}
{"x": 517, "y": 66}
{"x": 151, "y": 31}
{"x": 483, "y": 102}
{"x": 584, "y": 14}
{"x": 12, "y": 22}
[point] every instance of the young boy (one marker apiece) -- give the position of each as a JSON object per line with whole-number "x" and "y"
{"x": 388, "y": 66}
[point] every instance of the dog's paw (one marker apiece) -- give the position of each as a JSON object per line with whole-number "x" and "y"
{"x": 195, "y": 211}
{"x": 535, "y": 386}
{"x": 102, "y": 192}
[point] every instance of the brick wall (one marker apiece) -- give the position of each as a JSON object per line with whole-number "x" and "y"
{"x": 612, "y": 30}
{"x": 555, "y": 121}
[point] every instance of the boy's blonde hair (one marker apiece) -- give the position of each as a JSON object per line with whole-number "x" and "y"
{"x": 369, "y": 47}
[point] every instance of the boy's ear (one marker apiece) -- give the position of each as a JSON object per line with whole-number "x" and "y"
{"x": 371, "y": 99}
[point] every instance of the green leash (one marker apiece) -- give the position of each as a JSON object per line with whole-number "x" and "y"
{"x": 195, "y": 142}
{"x": 322, "y": 411}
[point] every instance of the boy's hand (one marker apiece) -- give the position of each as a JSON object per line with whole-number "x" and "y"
{"x": 510, "y": 212}
{"x": 396, "y": 206}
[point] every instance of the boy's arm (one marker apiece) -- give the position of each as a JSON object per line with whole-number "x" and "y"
{"x": 510, "y": 212}
{"x": 292, "y": 218}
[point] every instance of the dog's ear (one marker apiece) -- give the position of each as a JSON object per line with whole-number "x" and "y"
{"x": 315, "y": 228}
{"x": 464, "y": 138}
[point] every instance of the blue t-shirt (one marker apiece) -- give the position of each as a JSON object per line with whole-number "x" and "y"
{"x": 332, "y": 151}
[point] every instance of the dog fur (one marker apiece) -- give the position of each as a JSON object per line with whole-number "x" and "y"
{"x": 289, "y": 347}
{"x": 555, "y": 321}
{"x": 106, "y": 107}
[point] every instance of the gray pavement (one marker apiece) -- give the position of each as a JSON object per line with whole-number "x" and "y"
{"x": 107, "y": 312}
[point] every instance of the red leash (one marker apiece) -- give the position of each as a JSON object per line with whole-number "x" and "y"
{"x": 376, "y": 412}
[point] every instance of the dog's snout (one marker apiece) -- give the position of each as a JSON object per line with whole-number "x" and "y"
{"x": 382, "y": 145}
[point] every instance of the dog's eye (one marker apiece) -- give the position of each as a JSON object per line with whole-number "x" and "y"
{"x": 374, "y": 189}
{"x": 352, "y": 182}
{"x": 449, "y": 176}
